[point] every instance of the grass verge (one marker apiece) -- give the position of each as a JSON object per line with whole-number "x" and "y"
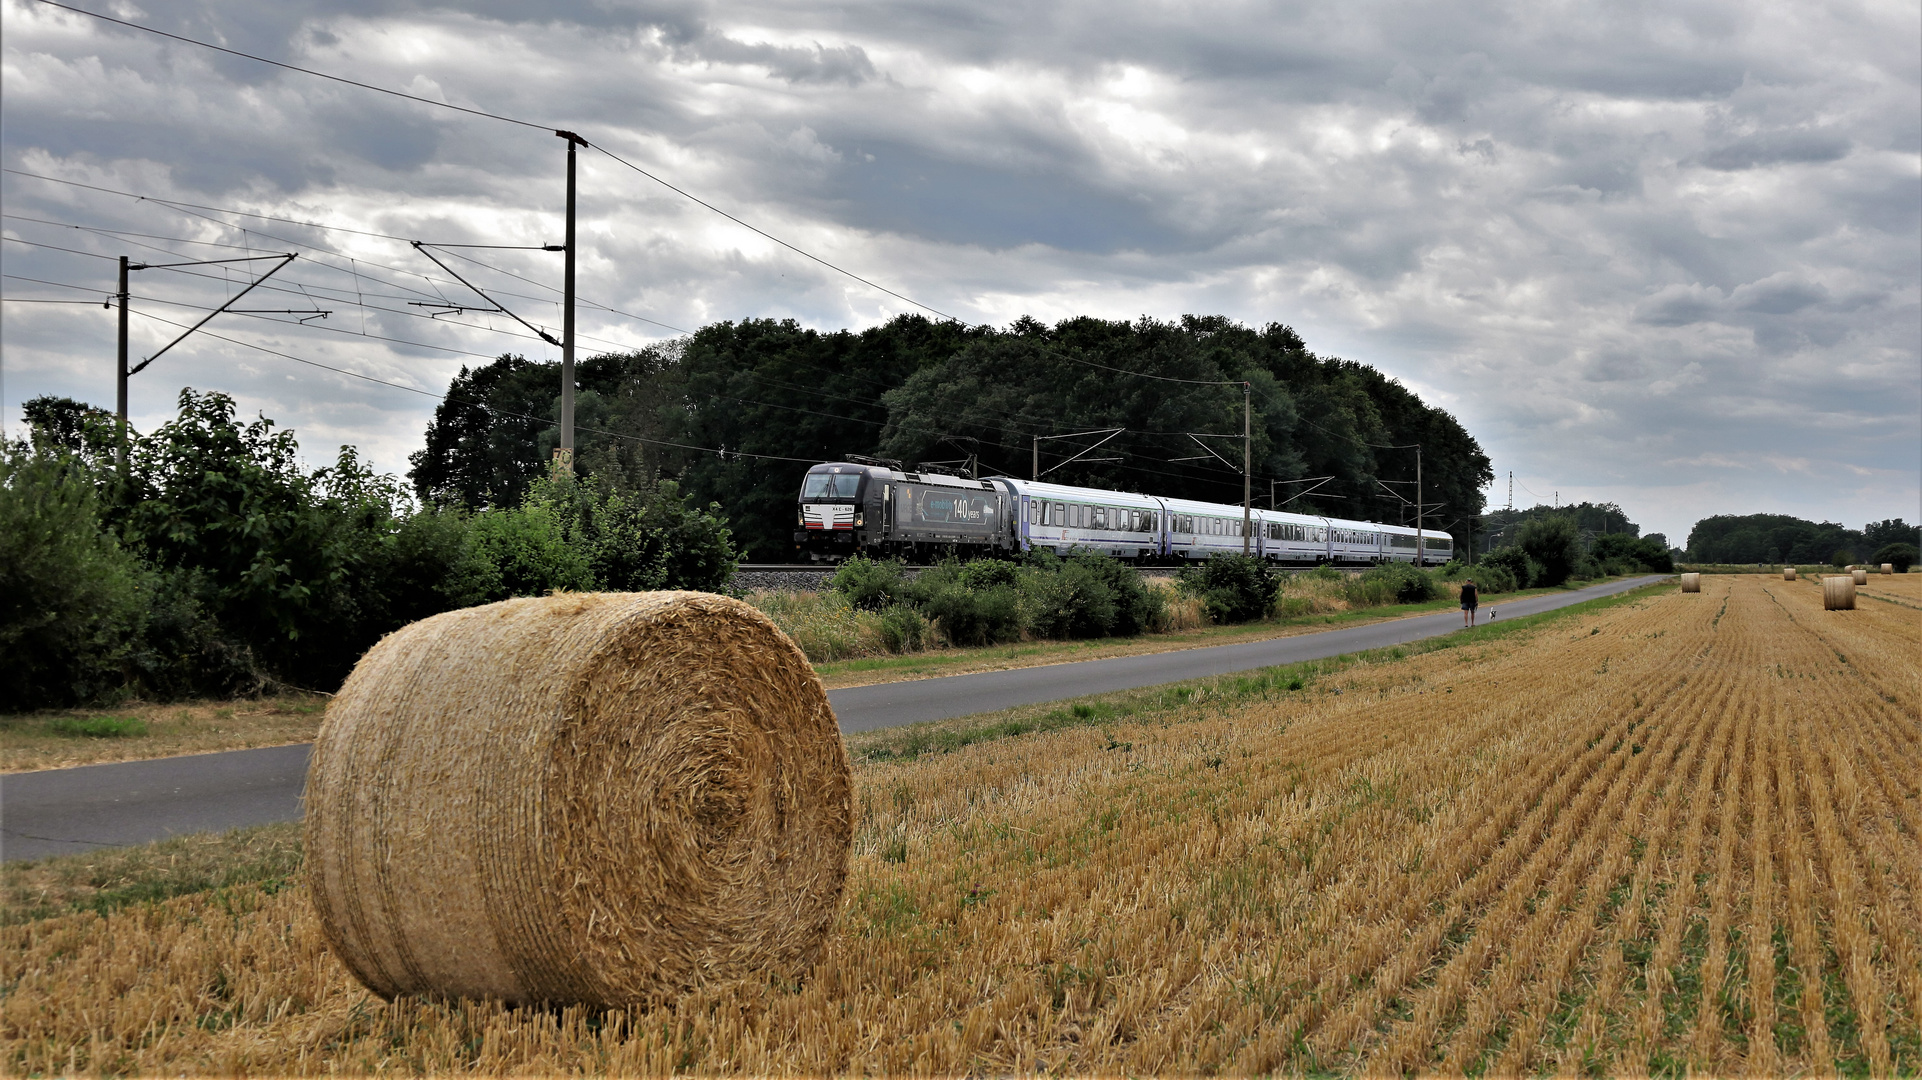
{"x": 112, "y": 878}
{"x": 911, "y": 741}
{"x": 132, "y": 731}
{"x": 934, "y": 663}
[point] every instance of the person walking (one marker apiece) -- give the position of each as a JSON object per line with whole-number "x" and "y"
{"x": 1469, "y": 600}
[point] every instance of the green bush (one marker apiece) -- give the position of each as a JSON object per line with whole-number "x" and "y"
{"x": 870, "y": 584}
{"x": 1621, "y": 553}
{"x": 523, "y": 551}
{"x": 71, "y": 598}
{"x": 967, "y": 615}
{"x": 1402, "y": 583}
{"x": 988, "y": 601}
{"x": 1513, "y": 561}
{"x": 1554, "y": 545}
{"x": 1488, "y": 577}
{"x": 1232, "y": 588}
{"x": 1843, "y": 557}
{"x": 1082, "y": 595}
{"x": 1900, "y": 556}
{"x": 1492, "y": 578}
{"x": 904, "y": 629}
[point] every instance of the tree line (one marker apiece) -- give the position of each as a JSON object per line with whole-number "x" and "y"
{"x": 213, "y": 564}
{"x": 1782, "y": 539}
{"x": 736, "y": 411}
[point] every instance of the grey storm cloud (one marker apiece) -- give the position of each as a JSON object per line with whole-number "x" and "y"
{"x": 1643, "y": 251}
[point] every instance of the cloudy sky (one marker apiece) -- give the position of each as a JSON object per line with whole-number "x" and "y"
{"x": 1665, "y": 254}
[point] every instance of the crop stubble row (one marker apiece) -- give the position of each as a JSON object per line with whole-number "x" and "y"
{"x": 1686, "y": 839}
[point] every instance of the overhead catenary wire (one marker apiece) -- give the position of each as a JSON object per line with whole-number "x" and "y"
{"x": 341, "y": 296}
{"x": 684, "y": 193}
{"x": 295, "y": 67}
{"x": 193, "y": 210}
{"x": 722, "y": 453}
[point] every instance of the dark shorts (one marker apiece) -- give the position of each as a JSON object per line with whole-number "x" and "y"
{"x": 1468, "y": 605}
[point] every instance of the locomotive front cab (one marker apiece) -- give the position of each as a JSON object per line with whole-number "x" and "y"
{"x": 832, "y": 518}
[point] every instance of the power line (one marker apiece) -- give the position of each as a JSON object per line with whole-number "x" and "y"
{"x": 469, "y": 401}
{"x": 190, "y": 208}
{"x": 299, "y": 288}
{"x": 292, "y": 67}
{"x": 770, "y": 236}
{"x": 510, "y": 120}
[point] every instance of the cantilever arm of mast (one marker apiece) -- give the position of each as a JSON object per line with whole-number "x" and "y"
{"x": 284, "y": 260}
{"x": 1106, "y": 433}
{"x": 544, "y": 335}
{"x": 1314, "y": 483}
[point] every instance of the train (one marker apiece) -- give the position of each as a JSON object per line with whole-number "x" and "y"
{"x": 881, "y": 510}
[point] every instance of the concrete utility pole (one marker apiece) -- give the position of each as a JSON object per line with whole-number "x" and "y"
{"x": 1247, "y": 465}
{"x": 564, "y": 457}
{"x": 120, "y": 380}
{"x": 1419, "y": 547}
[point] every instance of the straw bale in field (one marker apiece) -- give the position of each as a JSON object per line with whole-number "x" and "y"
{"x": 1838, "y": 593}
{"x": 1860, "y": 576}
{"x": 1888, "y": 568}
{"x": 593, "y": 798}
{"x": 1788, "y": 574}
{"x": 1691, "y": 583}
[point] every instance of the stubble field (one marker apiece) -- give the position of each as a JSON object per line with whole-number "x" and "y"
{"x": 1678, "y": 834}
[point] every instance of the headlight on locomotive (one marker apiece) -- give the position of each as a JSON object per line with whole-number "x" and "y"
{"x": 857, "y": 521}
{"x": 801, "y": 517}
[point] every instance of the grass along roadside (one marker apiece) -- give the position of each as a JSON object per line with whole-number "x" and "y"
{"x": 1219, "y": 691}
{"x": 868, "y": 670}
{"x": 134, "y": 731}
{"x": 112, "y": 878}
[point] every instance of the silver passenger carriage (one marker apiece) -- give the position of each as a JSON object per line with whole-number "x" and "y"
{"x": 1061, "y": 518}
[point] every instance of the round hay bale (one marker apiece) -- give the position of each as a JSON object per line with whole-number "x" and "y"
{"x": 1788, "y": 574}
{"x": 1888, "y": 568}
{"x": 1838, "y": 593}
{"x": 594, "y": 798}
{"x": 1691, "y": 583}
{"x": 1860, "y": 576}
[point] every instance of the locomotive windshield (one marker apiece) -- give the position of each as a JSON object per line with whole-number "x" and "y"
{"x": 831, "y": 486}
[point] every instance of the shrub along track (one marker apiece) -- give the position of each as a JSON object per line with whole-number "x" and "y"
{"x": 1677, "y": 834}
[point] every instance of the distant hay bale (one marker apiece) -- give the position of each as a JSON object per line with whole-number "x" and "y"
{"x": 1888, "y": 568}
{"x": 1838, "y": 593}
{"x": 1788, "y": 574}
{"x": 1860, "y": 576}
{"x": 1691, "y": 583}
{"x": 583, "y": 798}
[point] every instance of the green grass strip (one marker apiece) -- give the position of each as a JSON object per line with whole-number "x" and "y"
{"x": 110, "y": 879}
{"x": 912, "y": 741}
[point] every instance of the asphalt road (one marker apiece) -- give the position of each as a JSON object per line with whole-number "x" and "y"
{"x": 63, "y": 811}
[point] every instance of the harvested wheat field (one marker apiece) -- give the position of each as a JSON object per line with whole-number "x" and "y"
{"x": 1679, "y": 833}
